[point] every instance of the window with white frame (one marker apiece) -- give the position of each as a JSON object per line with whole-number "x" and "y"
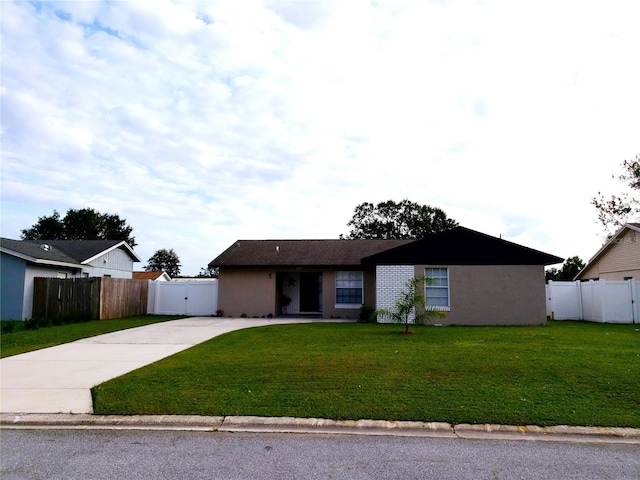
{"x": 349, "y": 291}
{"x": 437, "y": 289}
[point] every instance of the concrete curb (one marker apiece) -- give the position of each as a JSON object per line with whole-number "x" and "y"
{"x": 89, "y": 421}
{"x": 322, "y": 425}
{"x": 237, "y": 424}
{"x": 556, "y": 432}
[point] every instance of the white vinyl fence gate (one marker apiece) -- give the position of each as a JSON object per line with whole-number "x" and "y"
{"x": 183, "y": 298}
{"x": 606, "y": 301}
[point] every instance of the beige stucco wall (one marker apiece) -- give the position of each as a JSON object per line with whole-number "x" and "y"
{"x": 480, "y": 295}
{"x": 249, "y": 291}
{"x": 253, "y": 291}
{"x": 621, "y": 260}
{"x": 494, "y": 295}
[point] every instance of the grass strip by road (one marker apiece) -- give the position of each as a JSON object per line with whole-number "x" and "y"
{"x": 565, "y": 373}
{"x": 22, "y": 341}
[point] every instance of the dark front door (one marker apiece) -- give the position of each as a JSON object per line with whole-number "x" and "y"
{"x": 310, "y": 291}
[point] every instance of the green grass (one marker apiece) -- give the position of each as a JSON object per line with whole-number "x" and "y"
{"x": 22, "y": 341}
{"x": 565, "y": 373}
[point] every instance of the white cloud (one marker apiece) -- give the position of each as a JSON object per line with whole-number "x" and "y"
{"x": 203, "y": 122}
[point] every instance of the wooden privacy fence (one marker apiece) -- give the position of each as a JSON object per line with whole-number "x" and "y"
{"x": 98, "y": 298}
{"x": 123, "y": 297}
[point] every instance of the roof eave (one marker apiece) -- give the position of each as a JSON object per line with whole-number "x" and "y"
{"x": 123, "y": 243}
{"x": 543, "y": 263}
{"x": 281, "y": 265}
{"x": 40, "y": 261}
{"x": 13, "y": 253}
{"x": 59, "y": 264}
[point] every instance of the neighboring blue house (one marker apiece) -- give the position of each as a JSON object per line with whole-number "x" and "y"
{"x": 23, "y": 260}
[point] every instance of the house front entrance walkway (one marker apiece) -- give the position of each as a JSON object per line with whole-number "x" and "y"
{"x": 59, "y": 379}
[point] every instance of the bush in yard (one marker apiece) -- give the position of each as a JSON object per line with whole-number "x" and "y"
{"x": 31, "y": 324}
{"x": 7, "y": 327}
{"x": 43, "y": 322}
{"x": 367, "y": 314}
{"x": 411, "y": 302}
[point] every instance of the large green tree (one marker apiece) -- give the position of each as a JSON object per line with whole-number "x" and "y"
{"x": 82, "y": 224}
{"x": 165, "y": 260}
{"x": 570, "y": 268}
{"x": 615, "y": 211}
{"x": 405, "y": 219}
{"x": 209, "y": 272}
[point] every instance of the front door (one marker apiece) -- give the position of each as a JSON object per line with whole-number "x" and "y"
{"x": 310, "y": 292}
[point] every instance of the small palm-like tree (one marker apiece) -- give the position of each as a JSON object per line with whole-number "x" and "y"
{"x": 411, "y": 302}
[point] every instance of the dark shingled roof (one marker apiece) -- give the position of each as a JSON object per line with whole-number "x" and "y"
{"x": 82, "y": 249}
{"x": 301, "y": 252}
{"x": 457, "y": 246}
{"x": 461, "y": 246}
{"x": 66, "y": 251}
{"x": 34, "y": 249}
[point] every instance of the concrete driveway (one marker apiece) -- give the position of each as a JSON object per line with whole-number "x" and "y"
{"x": 59, "y": 379}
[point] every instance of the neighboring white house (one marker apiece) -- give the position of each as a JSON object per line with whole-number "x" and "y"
{"x": 155, "y": 276}
{"x": 23, "y": 260}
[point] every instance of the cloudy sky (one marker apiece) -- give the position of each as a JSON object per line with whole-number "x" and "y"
{"x": 205, "y": 122}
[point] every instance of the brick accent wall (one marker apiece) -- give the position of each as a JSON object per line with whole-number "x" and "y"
{"x": 390, "y": 280}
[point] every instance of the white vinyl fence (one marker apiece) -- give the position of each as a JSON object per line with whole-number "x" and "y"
{"x": 606, "y": 301}
{"x": 183, "y": 298}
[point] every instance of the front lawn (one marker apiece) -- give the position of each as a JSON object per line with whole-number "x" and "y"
{"x": 565, "y": 373}
{"x": 22, "y": 341}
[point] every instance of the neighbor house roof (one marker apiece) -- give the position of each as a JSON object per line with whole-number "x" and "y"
{"x": 461, "y": 246}
{"x": 301, "y": 252}
{"x": 67, "y": 252}
{"x": 87, "y": 250}
{"x": 150, "y": 275}
{"x": 38, "y": 252}
{"x": 612, "y": 241}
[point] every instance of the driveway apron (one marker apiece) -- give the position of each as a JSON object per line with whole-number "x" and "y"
{"x": 59, "y": 379}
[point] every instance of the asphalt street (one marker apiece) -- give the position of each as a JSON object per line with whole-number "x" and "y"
{"x": 137, "y": 454}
